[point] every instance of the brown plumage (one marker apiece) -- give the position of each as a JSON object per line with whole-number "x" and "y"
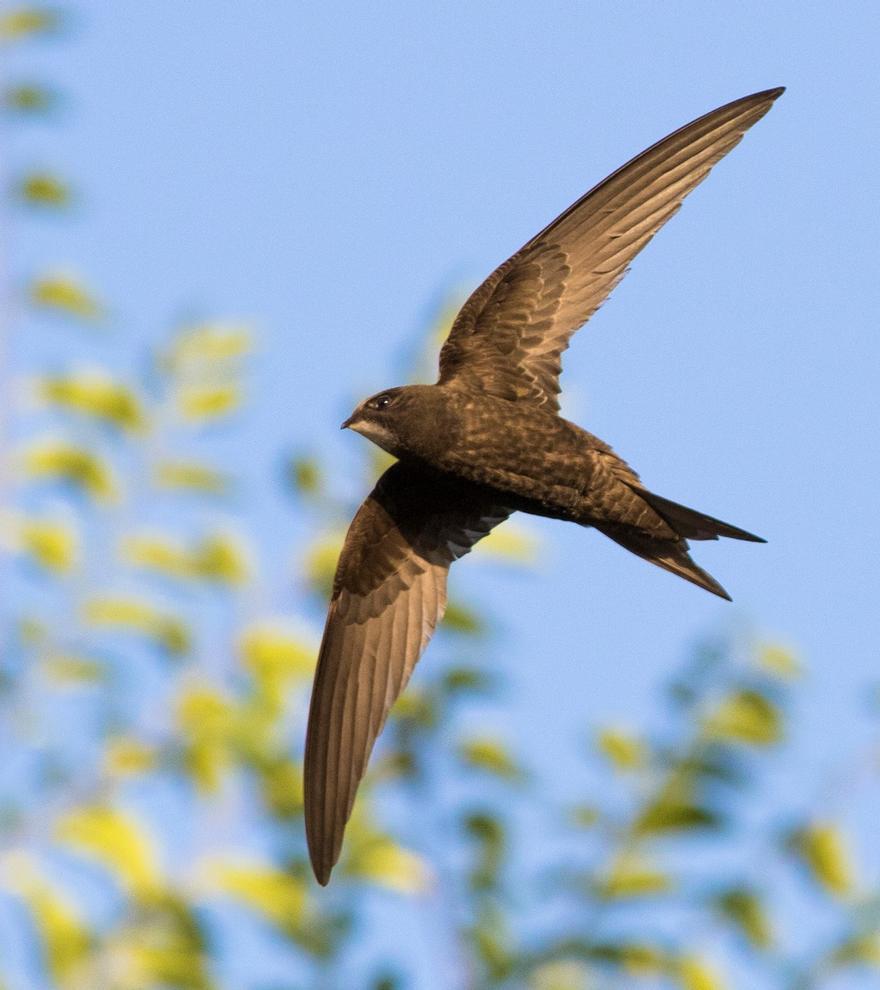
{"x": 488, "y": 440}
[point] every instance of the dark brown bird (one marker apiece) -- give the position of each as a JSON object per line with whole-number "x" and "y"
{"x": 488, "y": 440}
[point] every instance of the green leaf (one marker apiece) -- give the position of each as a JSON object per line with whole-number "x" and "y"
{"x": 670, "y": 815}
{"x": 28, "y": 21}
{"x": 305, "y": 475}
{"x": 458, "y": 681}
{"x": 490, "y": 754}
{"x": 492, "y": 944}
{"x": 43, "y": 189}
{"x": 745, "y": 910}
{"x": 30, "y": 98}
{"x": 462, "y": 619}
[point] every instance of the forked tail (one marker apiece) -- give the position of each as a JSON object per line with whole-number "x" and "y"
{"x": 671, "y": 554}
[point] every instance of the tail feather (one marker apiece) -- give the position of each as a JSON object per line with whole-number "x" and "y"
{"x": 668, "y": 554}
{"x": 693, "y": 525}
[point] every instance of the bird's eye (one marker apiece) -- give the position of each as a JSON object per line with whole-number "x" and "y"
{"x": 382, "y": 402}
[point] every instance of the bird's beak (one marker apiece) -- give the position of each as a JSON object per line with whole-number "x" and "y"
{"x": 347, "y": 423}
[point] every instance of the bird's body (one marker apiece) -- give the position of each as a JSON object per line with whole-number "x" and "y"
{"x": 530, "y": 459}
{"x": 487, "y": 440}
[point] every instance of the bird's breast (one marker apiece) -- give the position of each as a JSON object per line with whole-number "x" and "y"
{"x": 535, "y": 456}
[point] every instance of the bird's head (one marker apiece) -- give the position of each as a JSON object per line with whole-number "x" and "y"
{"x": 400, "y": 420}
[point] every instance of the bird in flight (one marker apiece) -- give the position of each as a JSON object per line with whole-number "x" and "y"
{"x": 487, "y": 440}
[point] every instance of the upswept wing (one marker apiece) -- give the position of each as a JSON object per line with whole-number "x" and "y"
{"x": 509, "y": 335}
{"x": 388, "y": 596}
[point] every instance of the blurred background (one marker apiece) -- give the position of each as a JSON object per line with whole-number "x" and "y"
{"x": 223, "y": 225}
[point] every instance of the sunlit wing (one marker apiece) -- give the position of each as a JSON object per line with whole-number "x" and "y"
{"x": 509, "y": 335}
{"x": 389, "y": 594}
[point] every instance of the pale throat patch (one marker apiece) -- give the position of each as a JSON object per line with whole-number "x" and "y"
{"x": 378, "y": 433}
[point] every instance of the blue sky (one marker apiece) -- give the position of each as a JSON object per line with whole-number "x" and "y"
{"x": 331, "y": 171}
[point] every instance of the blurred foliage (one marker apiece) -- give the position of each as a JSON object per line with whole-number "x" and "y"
{"x": 151, "y": 819}
{"x": 66, "y": 295}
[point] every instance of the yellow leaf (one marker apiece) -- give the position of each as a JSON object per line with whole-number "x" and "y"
{"x": 192, "y": 476}
{"x": 280, "y": 897}
{"x": 208, "y": 724}
{"x": 631, "y": 876}
{"x": 209, "y": 345}
{"x": 156, "y": 553}
{"x": 207, "y": 402}
{"x": 697, "y": 974}
{"x": 827, "y": 855}
{"x": 118, "y": 841}
{"x": 643, "y": 960}
{"x": 220, "y": 558}
{"x": 779, "y": 661}
{"x": 56, "y": 460}
{"x": 66, "y": 939}
{"x": 126, "y": 756}
{"x": 305, "y": 475}
{"x": 622, "y": 749}
{"x": 20, "y": 22}
{"x": 27, "y": 98}
{"x": 383, "y": 862}
{"x": 53, "y": 545}
{"x": 94, "y": 393}
{"x": 510, "y": 543}
{"x": 160, "y": 944}
{"x": 67, "y": 668}
{"x": 860, "y": 949}
{"x": 320, "y": 561}
{"x": 132, "y": 615}
{"x": 44, "y": 189}
{"x": 489, "y": 754}
{"x": 585, "y": 816}
{"x": 276, "y": 655}
{"x": 282, "y": 787}
{"x": 68, "y": 296}
{"x": 566, "y": 974}
{"x": 748, "y": 717}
